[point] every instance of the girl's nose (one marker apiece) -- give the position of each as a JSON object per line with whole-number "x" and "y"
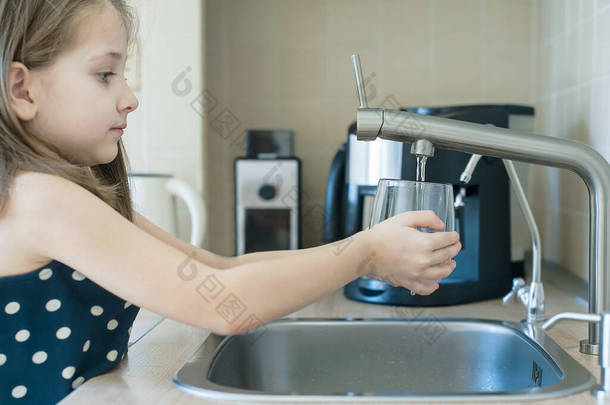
{"x": 129, "y": 102}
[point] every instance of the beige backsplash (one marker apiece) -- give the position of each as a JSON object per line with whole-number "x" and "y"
{"x": 285, "y": 64}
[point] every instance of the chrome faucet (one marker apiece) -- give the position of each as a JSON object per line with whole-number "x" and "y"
{"x": 504, "y": 143}
{"x": 532, "y": 296}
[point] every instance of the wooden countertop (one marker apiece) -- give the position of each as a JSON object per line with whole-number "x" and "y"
{"x": 145, "y": 374}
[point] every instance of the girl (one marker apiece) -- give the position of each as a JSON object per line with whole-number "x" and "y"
{"x": 76, "y": 262}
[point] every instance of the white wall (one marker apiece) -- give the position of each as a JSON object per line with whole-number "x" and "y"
{"x": 165, "y": 134}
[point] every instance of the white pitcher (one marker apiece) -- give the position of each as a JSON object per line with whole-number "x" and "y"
{"x": 152, "y": 196}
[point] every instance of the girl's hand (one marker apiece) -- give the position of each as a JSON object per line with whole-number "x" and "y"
{"x": 403, "y": 256}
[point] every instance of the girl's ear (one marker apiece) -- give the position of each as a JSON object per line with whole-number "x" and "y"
{"x": 20, "y": 94}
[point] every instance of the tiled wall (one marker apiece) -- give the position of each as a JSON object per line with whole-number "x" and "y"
{"x": 286, "y": 64}
{"x": 165, "y": 133}
{"x": 572, "y": 48}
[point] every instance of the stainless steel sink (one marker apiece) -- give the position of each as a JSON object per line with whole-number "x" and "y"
{"x": 383, "y": 360}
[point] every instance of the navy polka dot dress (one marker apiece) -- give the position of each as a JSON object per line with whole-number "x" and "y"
{"x": 57, "y": 330}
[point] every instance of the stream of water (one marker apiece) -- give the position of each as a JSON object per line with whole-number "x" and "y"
{"x": 420, "y": 178}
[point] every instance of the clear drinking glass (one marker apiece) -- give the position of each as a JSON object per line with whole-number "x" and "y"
{"x": 394, "y": 197}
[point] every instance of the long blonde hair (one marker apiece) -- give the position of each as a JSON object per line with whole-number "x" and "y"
{"x": 34, "y": 32}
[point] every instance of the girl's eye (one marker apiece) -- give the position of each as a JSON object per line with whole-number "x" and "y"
{"x": 104, "y": 76}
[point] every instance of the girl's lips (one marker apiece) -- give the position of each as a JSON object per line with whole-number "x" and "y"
{"x": 119, "y": 130}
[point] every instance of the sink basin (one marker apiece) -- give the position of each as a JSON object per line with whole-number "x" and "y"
{"x": 383, "y": 360}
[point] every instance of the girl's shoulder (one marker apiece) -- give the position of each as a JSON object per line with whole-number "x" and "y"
{"x": 26, "y": 200}
{"x": 30, "y": 192}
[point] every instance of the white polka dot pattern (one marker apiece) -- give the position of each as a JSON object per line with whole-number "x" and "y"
{"x": 79, "y": 330}
{"x": 53, "y": 305}
{"x": 12, "y": 308}
{"x": 111, "y": 355}
{"x": 78, "y": 381}
{"x": 63, "y": 333}
{"x": 77, "y": 276}
{"x": 22, "y": 335}
{"x": 19, "y": 391}
{"x": 96, "y": 310}
{"x": 39, "y": 357}
{"x": 45, "y": 274}
{"x": 68, "y": 372}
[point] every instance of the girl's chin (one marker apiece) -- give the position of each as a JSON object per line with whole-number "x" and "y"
{"x": 110, "y": 154}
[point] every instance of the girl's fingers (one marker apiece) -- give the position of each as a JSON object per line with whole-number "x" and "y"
{"x": 439, "y": 240}
{"x": 426, "y": 219}
{"x": 424, "y": 287}
{"x": 440, "y": 271}
{"x": 446, "y": 253}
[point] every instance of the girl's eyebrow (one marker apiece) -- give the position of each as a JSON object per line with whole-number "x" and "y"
{"x": 111, "y": 54}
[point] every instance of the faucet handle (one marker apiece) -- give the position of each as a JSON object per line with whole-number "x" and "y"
{"x": 601, "y": 391}
{"x": 359, "y": 81}
{"x": 573, "y": 316}
{"x": 518, "y": 284}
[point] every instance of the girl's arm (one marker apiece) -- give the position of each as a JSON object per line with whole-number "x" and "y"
{"x": 202, "y": 255}
{"x": 269, "y": 255}
{"x": 59, "y": 219}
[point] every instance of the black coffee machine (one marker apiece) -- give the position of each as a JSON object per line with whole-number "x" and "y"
{"x": 484, "y": 266}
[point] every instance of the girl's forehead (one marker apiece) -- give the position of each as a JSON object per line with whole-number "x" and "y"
{"x": 101, "y": 35}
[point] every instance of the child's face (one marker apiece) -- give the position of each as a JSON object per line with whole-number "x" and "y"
{"x": 78, "y": 102}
